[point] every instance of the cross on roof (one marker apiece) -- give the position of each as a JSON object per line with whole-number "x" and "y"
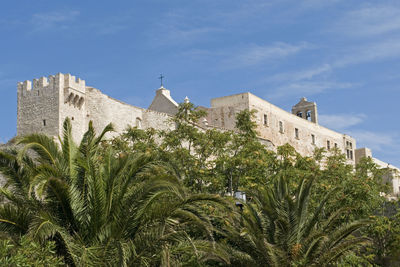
{"x": 161, "y": 78}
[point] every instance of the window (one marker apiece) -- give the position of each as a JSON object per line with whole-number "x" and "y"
{"x": 300, "y": 114}
{"x": 80, "y": 102}
{"x": 138, "y": 123}
{"x": 349, "y": 150}
{"x": 328, "y": 145}
{"x": 266, "y": 119}
{"x": 44, "y": 122}
{"x": 308, "y": 115}
{"x": 296, "y": 133}
{"x": 38, "y": 92}
{"x": 335, "y": 145}
{"x": 72, "y": 118}
{"x": 349, "y": 153}
{"x": 280, "y": 127}
{"x": 313, "y": 139}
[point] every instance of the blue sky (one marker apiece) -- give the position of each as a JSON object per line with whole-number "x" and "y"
{"x": 342, "y": 54}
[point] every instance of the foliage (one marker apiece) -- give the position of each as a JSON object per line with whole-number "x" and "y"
{"x": 385, "y": 235}
{"x": 103, "y": 207}
{"x": 27, "y": 253}
{"x": 163, "y": 198}
{"x": 277, "y": 229}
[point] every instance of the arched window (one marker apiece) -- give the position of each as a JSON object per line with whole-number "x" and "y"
{"x": 308, "y": 115}
{"x": 76, "y": 98}
{"x": 80, "y": 103}
{"x": 70, "y": 97}
{"x": 138, "y": 123}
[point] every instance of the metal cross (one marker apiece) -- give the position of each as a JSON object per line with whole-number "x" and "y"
{"x": 161, "y": 78}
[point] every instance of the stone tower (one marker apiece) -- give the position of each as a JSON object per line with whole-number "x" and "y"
{"x": 306, "y": 110}
{"x": 44, "y": 103}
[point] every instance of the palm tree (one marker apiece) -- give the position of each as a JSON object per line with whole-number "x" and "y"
{"x": 102, "y": 207}
{"x": 277, "y": 229}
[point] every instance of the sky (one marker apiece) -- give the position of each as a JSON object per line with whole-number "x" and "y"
{"x": 342, "y": 54}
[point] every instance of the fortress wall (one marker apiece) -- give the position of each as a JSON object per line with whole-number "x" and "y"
{"x": 72, "y": 99}
{"x": 303, "y": 144}
{"x": 102, "y": 109}
{"x": 157, "y": 120}
{"x": 223, "y": 111}
{"x": 37, "y": 109}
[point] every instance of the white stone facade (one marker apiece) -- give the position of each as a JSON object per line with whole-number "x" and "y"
{"x": 279, "y": 126}
{"x": 44, "y": 104}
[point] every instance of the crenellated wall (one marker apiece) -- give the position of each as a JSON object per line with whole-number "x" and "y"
{"x": 44, "y": 106}
{"x": 38, "y": 105}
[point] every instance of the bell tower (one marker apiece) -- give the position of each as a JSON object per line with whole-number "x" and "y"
{"x": 306, "y": 110}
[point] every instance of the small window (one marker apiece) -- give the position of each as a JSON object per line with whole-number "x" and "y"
{"x": 308, "y": 115}
{"x": 266, "y": 119}
{"x": 349, "y": 153}
{"x": 38, "y": 92}
{"x": 300, "y": 114}
{"x": 313, "y": 139}
{"x": 335, "y": 145}
{"x": 138, "y": 123}
{"x": 280, "y": 127}
{"x": 328, "y": 145}
{"x": 72, "y": 118}
{"x": 44, "y": 122}
{"x": 296, "y": 133}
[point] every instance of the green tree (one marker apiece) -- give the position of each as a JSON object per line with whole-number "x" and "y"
{"x": 384, "y": 232}
{"x": 26, "y": 253}
{"x": 277, "y": 229}
{"x": 103, "y": 207}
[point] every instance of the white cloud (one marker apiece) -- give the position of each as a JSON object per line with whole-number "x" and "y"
{"x": 183, "y": 35}
{"x": 340, "y": 121}
{"x": 370, "y": 21}
{"x": 256, "y": 54}
{"x": 306, "y": 74}
{"x": 56, "y": 19}
{"x": 374, "y": 140}
{"x": 308, "y": 88}
{"x": 387, "y": 49}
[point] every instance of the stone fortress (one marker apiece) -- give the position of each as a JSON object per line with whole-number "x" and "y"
{"x": 44, "y": 103}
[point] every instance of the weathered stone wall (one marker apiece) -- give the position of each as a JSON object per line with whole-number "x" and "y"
{"x": 304, "y": 143}
{"x": 37, "y": 109}
{"x": 102, "y": 110}
{"x": 43, "y": 107}
{"x": 278, "y": 125}
{"x": 223, "y": 110}
{"x": 391, "y": 175}
{"x": 72, "y": 104}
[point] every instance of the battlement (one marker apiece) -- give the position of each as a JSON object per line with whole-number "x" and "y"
{"x": 71, "y": 81}
{"x": 58, "y": 81}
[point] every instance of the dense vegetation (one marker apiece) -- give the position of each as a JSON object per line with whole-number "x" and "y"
{"x": 164, "y": 198}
